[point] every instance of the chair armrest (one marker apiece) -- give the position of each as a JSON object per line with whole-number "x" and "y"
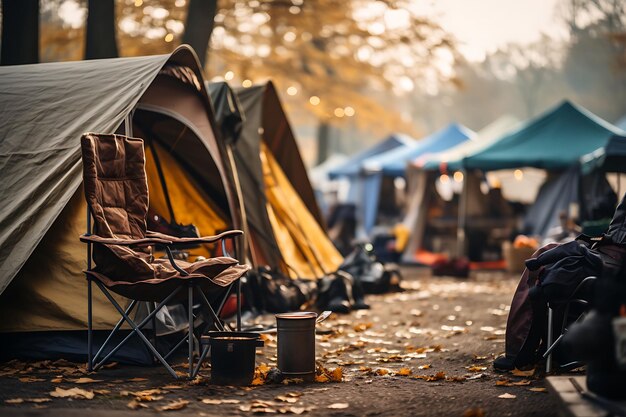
{"x": 124, "y": 242}
{"x": 204, "y": 239}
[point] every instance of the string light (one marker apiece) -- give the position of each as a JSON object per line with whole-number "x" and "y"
{"x": 458, "y": 176}
{"x": 349, "y": 111}
{"x": 138, "y": 3}
{"x": 169, "y": 37}
{"x": 292, "y": 91}
{"x": 229, "y": 75}
{"x": 518, "y": 174}
{"x": 444, "y": 179}
{"x": 246, "y": 83}
{"x": 314, "y": 100}
{"x": 339, "y": 112}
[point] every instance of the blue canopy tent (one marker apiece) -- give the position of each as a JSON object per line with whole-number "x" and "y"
{"x": 393, "y": 164}
{"x": 352, "y": 166}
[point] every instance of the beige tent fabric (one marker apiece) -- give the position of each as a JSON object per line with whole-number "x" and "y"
{"x": 190, "y": 204}
{"x": 303, "y": 243}
{"x": 50, "y": 291}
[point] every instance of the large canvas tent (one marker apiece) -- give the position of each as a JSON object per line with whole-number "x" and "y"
{"x": 285, "y": 225}
{"x": 46, "y": 108}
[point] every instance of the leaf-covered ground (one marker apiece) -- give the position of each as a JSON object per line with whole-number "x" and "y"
{"x": 424, "y": 352}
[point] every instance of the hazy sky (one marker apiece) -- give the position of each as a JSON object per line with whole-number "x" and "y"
{"x": 482, "y": 26}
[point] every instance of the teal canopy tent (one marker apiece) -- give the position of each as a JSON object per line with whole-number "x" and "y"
{"x": 554, "y": 140}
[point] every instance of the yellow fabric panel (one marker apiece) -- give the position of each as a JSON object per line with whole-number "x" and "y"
{"x": 303, "y": 243}
{"x": 190, "y": 205}
{"x": 50, "y": 291}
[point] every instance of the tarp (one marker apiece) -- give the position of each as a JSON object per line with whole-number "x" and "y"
{"x": 393, "y": 162}
{"x": 353, "y": 165}
{"x": 46, "y": 108}
{"x": 554, "y": 140}
{"x": 483, "y": 138}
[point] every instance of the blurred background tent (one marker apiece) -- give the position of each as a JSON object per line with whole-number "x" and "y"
{"x": 429, "y": 194}
{"x": 379, "y": 172}
{"x": 162, "y": 99}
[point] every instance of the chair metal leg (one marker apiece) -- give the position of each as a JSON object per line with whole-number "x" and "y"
{"x": 190, "y": 335}
{"x": 549, "y": 341}
{"x": 239, "y": 304}
{"x": 89, "y": 328}
{"x": 137, "y": 330}
{"x": 129, "y": 309}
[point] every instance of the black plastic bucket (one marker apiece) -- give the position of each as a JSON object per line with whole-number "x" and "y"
{"x": 233, "y": 357}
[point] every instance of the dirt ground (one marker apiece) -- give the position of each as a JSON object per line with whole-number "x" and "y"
{"x": 424, "y": 352}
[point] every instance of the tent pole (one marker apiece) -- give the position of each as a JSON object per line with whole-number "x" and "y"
{"x": 460, "y": 231}
{"x": 247, "y": 249}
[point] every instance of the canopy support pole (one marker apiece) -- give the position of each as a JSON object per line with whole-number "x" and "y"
{"x": 460, "y": 230}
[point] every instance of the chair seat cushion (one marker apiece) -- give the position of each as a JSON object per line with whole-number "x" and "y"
{"x": 211, "y": 275}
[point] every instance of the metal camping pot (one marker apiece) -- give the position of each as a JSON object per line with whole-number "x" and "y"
{"x": 296, "y": 344}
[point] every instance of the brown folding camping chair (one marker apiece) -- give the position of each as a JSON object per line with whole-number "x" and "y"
{"x": 116, "y": 191}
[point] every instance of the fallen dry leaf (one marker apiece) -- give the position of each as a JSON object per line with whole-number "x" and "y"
{"x": 30, "y": 379}
{"x": 286, "y": 399}
{"x": 258, "y": 381}
{"x": 474, "y": 412}
{"x": 338, "y": 406}
{"x": 174, "y": 405}
{"x": 517, "y": 372}
{"x": 172, "y": 387}
{"x": 476, "y": 368}
{"x": 538, "y": 389}
{"x": 336, "y": 375}
{"x": 76, "y": 393}
{"x": 14, "y": 401}
{"x": 85, "y": 381}
{"x": 507, "y": 396}
{"x": 404, "y": 372}
{"x": 212, "y": 401}
{"x": 296, "y": 410}
{"x": 381, "y": 371}
{"x": 135, "y": 405}
{"x": 137, "y": 379}
{"x": 321, "y": 378}
{"x": 427, "y": 366}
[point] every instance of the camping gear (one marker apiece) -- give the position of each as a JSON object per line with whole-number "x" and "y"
{"x": 233, "y": 356}
{"x": 42, "y": 220}
{"x": 296, "y": 344}
{"x": 373, "y": 276}
{"x": 116, "y": 191}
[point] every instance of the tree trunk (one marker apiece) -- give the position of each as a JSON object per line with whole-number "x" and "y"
{"x": 199, "y": 26}
{"x": 101, "y": 41}
{"x": 323, "y": 142}
{"x": 20, "y": 32}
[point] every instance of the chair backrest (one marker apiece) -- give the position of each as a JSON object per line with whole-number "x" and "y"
{"x": 115, "y": 184}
